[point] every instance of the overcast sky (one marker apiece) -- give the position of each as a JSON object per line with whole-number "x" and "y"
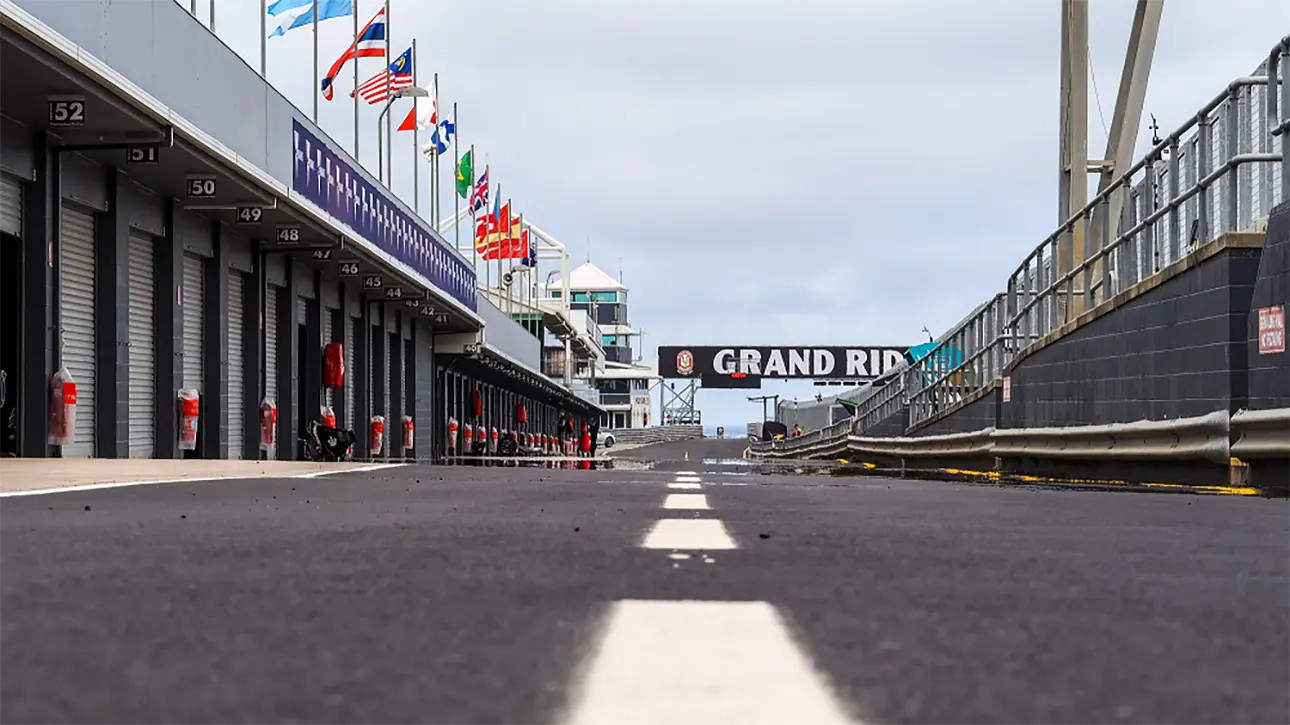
{"x": 775, "y": 171}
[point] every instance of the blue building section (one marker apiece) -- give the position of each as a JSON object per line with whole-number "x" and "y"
{"x": 323, "y": 177}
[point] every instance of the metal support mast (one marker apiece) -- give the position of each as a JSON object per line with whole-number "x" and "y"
{"x": 1074, "y": 164}
{"x": 1073, "y": 136}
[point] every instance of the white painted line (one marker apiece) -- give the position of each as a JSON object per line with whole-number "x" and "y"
{"x": 684, "y": 486}
{"x": 686, "y": 473}
{"x": 249, "y": 477}
{"x": 695, "y": 534}
{"x": 687, "y": 479}
{"x": 700, "y": 662}
{"x": 360, "y": 469}
{"x": 686, "y": 501}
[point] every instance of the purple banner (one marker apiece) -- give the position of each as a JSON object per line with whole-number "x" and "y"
{"x": 323, "y": 177}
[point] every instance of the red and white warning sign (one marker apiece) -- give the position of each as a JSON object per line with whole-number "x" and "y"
{"x": 1272, "y": 330}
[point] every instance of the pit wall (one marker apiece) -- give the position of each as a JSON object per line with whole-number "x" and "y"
{"x": 1176, "y": 345}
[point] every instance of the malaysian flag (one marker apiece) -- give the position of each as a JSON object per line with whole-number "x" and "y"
{"x": 378, "y": 88}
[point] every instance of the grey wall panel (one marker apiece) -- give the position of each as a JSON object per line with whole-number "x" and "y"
{"x": 330, "y": 291}
{"x": 1269, "y": 373}
{"x": 305, "y": 280}
{"x": 508, "y": 336}
{"x": 143, "y": 209}
{"x": 193, "y": 232}
{"x": 275, "y": 270}
{"x": 17, "y": 150}
{"x": 237, "y": 250}
{"x": 84, "y": 182}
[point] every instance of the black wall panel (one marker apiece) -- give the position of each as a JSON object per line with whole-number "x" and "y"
{"x": 1178, "y": 350}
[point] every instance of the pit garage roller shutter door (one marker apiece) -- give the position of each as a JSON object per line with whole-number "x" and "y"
{"x": 76, "y": 314}
{"x": 235, "y": 403}
{"x": 10, "y": 206}
{"x": 326, "y": 338}
{"x": 350, "y": 380}
{"x": 271, "y": 343}
{"x": 194, "y": 295}
{"x": 143, "y": 349}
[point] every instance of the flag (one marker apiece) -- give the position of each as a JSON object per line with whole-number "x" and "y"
{"x": 499, "y": 236}
{"x": 479, "y": 199}
{"x": 397, "y": 77}
{"x": 292, "y": 14}
{"x": 370, "y": 43}
{"x": 465, "y": 172}
{"x": 428, "y": 117}
{"x": 441, "y": 138}
{"x": 530, "y": 256}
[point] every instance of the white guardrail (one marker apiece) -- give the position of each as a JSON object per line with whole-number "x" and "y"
{"x": 657, "y": 434}
{"x": 1260, "y": 434}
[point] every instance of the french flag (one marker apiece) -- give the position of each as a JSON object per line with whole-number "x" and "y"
{"x": 370, "y": 43}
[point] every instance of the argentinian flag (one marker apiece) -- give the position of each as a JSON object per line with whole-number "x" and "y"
{"x": 295, "y": 13}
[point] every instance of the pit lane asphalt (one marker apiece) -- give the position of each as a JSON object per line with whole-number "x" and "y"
{"x": 460, "y": 594}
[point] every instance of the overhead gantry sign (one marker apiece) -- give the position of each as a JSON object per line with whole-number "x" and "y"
{"x": 745, "y": 366}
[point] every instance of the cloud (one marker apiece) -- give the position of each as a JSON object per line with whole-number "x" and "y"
{"x": 776, "y": 171}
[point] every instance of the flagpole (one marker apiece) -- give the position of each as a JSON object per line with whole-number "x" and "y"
{"x": 357, "y": 158}
{"x": 436, "y": 202}
{"x": 389, "y": 117}
{"x": 510, "y": 290}
{"x": 213, "y": 18}
{"x": 316, "y": 91}
{"x": 416, "y": 139}
{"x": 488, "y": 246}
{"x": 264, "y": 29}
{"x": 500, "y": 272}
{"x": 456, "y": 207}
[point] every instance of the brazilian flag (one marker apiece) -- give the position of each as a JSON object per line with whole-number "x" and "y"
{"x": 465, "y": 172}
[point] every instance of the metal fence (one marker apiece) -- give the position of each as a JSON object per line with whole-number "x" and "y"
{"x": 1221, "y": 171}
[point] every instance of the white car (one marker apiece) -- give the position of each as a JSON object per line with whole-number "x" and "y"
{"x": 605, "y": 439}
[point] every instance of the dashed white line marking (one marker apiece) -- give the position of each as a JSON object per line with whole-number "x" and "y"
{"x": 694, "y": 534}
{"x": 684, "y": 486}
{"x": 686, "y": 501}
{"x": 700, "y": 662}
{"x": 687, "y": 479}
{"x": 685, "y": 473}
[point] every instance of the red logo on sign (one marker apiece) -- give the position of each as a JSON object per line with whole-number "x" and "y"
{"x": 1272, "y": 330}
{"x": 685, "y": 362}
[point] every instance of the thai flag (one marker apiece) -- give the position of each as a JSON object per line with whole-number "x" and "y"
{"x": 395, "y": 78}
{"x": 370, "y": 43}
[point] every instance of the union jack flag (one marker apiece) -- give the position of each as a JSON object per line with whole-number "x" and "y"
{"x": 398, "y": 76}
{"x": 479, "y": 199}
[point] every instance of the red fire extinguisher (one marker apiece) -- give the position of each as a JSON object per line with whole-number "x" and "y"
{"x": 189, "y": 408}
{"x": 452, "y": 434}
{"x": 408, "y": 432}
{"x": 62, "y": 408}
{"x": 469, "y": 435}
{"x": 333, "y": 365}
{"x": 377, "y": 442}
{"x": 268, "y": 423}
{"x": 328, "y": 416}
{"x": 521, "y": 413}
